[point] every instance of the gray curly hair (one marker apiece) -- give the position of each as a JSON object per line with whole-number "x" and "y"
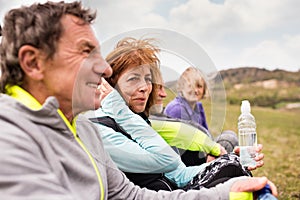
{"x": 37, "y": 25}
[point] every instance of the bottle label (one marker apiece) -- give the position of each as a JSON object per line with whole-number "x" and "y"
{"x": 247, "y": 138}
{"x": 247, "y": 155}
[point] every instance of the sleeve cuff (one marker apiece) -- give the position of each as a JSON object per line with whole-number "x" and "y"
{"x": 240, "y": 196}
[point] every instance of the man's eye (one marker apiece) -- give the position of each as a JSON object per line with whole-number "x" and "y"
{"x": 86, "y": 50}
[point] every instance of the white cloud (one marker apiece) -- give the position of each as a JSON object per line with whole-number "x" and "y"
{"x": 235, "y": 33}
{"x": 273, "y": 54}
{"x": 232, "y": 17}
{"x": 281, "y": 53}
{"x": 120, "y": 16}
{"x": 292, "y": 42}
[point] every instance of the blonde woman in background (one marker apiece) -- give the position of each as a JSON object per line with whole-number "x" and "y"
{"x": 191, "y": 88}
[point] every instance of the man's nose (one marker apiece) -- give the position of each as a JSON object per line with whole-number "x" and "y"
{"x": 103, "y": 69}
{"x": 107, "y": 71}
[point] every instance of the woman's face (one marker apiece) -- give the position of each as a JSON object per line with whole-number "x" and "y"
{"x": 135, "y": 86}
{"x": 193, "y": 92}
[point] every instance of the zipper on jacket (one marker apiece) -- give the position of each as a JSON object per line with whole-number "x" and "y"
{"x": 73, "y": 130}
{"x": 94, "y": 165}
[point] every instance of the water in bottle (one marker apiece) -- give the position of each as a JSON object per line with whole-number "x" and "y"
{"x": 247, "y": 135}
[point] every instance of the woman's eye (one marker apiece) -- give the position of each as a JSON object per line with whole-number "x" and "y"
{"x": 133, "y": 79}
{"x": 199, "y": 86}
{"x": 149, "y": 80}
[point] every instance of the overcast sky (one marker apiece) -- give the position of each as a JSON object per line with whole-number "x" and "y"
{"x": 233, "y": 33}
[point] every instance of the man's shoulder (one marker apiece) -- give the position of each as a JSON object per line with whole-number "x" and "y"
{"x": 7, "y": 105}
{"x": 14, "y": 121}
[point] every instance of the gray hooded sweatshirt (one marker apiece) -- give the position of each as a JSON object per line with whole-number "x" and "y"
{"x": 41, "y": 158}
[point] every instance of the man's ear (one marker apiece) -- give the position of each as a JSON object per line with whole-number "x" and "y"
{"x": 29, "y": 59}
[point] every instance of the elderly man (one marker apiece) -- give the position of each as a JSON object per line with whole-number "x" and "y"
{"x": 51, "y": 68}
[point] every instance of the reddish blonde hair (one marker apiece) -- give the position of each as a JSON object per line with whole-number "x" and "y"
{"x": 131, "y": 52}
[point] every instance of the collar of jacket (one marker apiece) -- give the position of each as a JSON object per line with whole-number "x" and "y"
{"x": 30, "y": 102}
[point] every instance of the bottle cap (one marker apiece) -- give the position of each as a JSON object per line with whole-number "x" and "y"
{"x": 245, "y": 108}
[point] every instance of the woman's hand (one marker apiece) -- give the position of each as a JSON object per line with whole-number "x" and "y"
{"x": 105, "y": 88}
{"x": 259, "y": 157}
{"x": 223, "y": 151}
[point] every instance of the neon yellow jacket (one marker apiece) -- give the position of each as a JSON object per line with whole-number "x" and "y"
{"x": 184, "y": 136}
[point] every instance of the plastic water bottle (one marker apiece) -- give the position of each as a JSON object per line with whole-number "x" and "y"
{"x": 247, "y": 135}
{"x": 265, "y": 194}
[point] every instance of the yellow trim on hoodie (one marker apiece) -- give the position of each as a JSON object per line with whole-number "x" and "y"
{"x": 73, "y": 129}
{"x": 28, "y": 100}
{"x": 24, "y": 97}
{"x": 240, "y": 196}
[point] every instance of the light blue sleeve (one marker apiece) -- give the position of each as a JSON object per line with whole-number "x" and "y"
{"x": 183, "y": 175}
{"x": 149, "y": 154}
{"x": 156, "y": 156}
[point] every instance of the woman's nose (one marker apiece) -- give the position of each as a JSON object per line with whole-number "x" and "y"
{"x": 162, "y": 93}
{"x": 143, "y": 86}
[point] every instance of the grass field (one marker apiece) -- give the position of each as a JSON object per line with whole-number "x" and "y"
{"x": 279, "y": 132}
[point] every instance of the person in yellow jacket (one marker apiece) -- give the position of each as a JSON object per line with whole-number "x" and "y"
{"x": 183, "y": 134}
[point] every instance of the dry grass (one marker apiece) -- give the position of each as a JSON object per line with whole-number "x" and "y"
{"x": 279, "y": 132}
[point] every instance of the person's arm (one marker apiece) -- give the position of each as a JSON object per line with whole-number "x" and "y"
{"x": 25, "y": 173}
{"x": 149, "y": 153}
{"x": 119, "y": 187}
{"x": 131, "y": 157}
{"x": 185, "y": 136}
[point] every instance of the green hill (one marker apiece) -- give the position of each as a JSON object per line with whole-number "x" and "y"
{"x": 277, "y": 89}
{"x": 262, "y": 87}
{"x": 246, "y": 75}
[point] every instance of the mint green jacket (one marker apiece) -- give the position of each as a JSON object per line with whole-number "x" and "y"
{"x": 148, "y": 152}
